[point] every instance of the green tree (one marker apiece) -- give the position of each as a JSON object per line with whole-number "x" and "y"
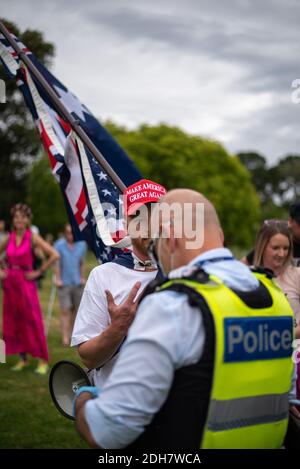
{"x": 261, "y": 175}
{"x": 286, "y": 177}
{"x": 277, "y": 185}
{"x": 19, "y": 141}
{"x": 45, "y": 198}
{"x": 175, "y": 159}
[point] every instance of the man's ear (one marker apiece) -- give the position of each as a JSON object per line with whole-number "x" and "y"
{"x": 172, "y": 240}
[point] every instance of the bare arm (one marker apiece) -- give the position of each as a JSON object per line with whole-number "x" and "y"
{"x": 245, "y": 261}
{"x": 81, "y": 423}
{"x": 47, "y": 249}
{"x": 3, "y": 245}
{"x": 2, "y": 249}
{"x": 57, "y": 274}
{"x": 82, "y": 271}
{"x": 95, "y": 352}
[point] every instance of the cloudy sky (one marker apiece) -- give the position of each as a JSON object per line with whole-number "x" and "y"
{"x": 221, "y": 69}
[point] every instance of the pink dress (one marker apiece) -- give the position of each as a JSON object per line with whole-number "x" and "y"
{"x": 23, "y": 329}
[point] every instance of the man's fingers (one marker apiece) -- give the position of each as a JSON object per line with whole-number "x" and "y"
{"x": 133, "y": 292}
{"x": 109, "y": 298}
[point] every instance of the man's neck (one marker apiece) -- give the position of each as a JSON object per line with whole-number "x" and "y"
{"x": 192, "y": 254}
{"x": 143, "y": 258}
{"x": 140, "y": 255}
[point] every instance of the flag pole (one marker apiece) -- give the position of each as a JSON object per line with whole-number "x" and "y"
{"x": 74, "y": 123}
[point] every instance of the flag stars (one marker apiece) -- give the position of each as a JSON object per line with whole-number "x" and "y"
{"x": 72, "y": 103}
{"x": 112, "y": 211}
{"x": 106, "y": 192}
{"x": 102, "y": 176}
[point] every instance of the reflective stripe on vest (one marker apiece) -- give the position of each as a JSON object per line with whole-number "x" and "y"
{"x": 252, "y": 368}
{"x": 237, "y": 413}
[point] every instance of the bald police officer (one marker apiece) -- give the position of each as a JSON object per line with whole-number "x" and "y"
{"x": 207, "y": 361}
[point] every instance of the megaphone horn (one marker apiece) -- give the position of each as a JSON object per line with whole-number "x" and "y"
{"x": 65, "y": 379}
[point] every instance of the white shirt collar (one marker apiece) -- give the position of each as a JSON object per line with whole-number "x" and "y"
{"x": 212, "y": 254}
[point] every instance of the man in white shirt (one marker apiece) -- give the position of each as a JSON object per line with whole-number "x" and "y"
{"x": 99, "y": 332}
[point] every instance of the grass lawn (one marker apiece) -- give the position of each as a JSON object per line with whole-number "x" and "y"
{"x": 28, "y": 418}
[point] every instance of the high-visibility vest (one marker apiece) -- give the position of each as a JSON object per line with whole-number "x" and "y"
{"x": 253, "y": 368}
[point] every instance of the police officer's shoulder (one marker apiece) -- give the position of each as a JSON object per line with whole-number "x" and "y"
{"x": 194, "y": 273}
{"x": 262, "y": 270}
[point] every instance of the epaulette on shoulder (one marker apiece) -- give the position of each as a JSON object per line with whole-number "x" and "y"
{"x": 263, "y": 270}
{"x": 196, "y": 274}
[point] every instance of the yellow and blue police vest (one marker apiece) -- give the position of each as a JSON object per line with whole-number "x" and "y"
{"x": 248, "y": 405}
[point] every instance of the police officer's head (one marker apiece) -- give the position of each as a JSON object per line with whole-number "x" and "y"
{"x": 184, "y": 224}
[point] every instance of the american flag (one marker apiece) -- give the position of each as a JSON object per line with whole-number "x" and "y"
{"x": 92, "y": 200}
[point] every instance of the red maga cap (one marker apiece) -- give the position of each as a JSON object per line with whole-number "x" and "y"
{"x": 140, "y": 193}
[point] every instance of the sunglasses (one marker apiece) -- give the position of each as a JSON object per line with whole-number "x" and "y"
{"x": 275, "y": 221}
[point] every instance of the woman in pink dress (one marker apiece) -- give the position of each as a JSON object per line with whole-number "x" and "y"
{"x": 23, "y": 330}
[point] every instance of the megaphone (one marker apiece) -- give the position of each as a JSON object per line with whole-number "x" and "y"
{"x": 65, "y": 379}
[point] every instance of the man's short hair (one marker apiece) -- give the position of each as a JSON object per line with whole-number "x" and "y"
{"x": 295, "y": 212}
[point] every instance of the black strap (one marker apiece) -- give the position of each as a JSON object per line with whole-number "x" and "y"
{"x": 258, "y": 298}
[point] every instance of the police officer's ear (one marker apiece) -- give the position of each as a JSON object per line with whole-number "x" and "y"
{"x": 222, "y": 235}
{"x": 172, "y": 243}
{"x": 169, "y": 237}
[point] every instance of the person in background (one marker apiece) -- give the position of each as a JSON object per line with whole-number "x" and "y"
{"x": 23, "y": 330}
{"x": 3, "y": 236}
{"x": 3, "y": 233}
{"x": 294, "y": 225}
{"x": 69, "y": 279}
{"x": 273, "y": 251}
{"x": 38, "y": 257}
{"x": 49, "y": 238}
